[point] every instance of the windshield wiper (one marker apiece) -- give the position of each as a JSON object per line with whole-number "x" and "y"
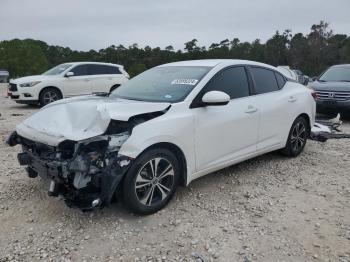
{"x": 128, "y": 98}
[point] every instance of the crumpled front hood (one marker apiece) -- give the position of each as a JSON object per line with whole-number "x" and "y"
{"x": 81, "y": 118}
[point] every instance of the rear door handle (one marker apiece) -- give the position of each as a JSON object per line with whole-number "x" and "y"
{"x": 251, "y": 109}
{"x": 292, "y": 99}
{"x": 87, "y": 80}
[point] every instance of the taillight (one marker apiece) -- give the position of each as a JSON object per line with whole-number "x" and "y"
{"x": 314, "y": 95}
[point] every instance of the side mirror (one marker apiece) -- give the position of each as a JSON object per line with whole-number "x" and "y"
{"x": 215, "y": 98}
{"x": 314, "y": 78}
{"x": 70, "y": 73}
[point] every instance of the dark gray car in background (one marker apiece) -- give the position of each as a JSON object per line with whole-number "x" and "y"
{"x": 333, "y": 90}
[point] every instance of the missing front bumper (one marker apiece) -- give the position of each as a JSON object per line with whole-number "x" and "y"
{"x": 97, "y": 193}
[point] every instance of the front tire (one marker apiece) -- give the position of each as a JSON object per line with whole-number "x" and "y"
{"x": 49, "y": 95}
{"x": 297, "y": 137}
{"x": 151, "y": 181}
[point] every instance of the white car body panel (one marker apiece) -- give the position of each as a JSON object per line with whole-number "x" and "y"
{"x": 278, "y": 110}
{"x": 77, "y": 85}
{"x": 176, "y": 127}
{"x": 209, "y": 137}
{"x": 102, "y": 83}
{"x": 230, "y": 131}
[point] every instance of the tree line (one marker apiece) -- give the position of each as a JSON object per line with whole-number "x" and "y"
{"x": 312, "y": 53}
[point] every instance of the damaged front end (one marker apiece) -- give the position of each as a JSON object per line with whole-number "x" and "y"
{"x": 78, "y": 149}
{"x": 75, "y": 143}
{"x": 85, "y": 173}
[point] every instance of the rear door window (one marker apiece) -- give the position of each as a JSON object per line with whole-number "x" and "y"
{"x": 265, "y": 80}
{"x": 103, "y": 70}
{"x": 80, "y": 70}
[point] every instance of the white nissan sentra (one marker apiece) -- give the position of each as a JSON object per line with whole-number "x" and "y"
{"x": 163, "y": 128}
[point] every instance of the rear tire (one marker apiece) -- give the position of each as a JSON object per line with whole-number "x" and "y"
{"x": 151, "y": 181}
{"x": 297, "y": 137}
{"x": 49, "y": 95}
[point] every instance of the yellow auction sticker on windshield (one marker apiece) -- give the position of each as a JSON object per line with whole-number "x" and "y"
{"x": 185, "y": 81}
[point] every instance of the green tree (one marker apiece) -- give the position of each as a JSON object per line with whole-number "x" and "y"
{"x": 22, "y": 57}
{"x": 311, "y": 53}
{"x": 136, "y": 69}
{"x": 276, "y": 49}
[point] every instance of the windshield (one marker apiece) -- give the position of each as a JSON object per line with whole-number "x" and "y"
{"x": 337, "y": 74}
{"x": 57, "y": 69}
{"x": 162, "y": 84}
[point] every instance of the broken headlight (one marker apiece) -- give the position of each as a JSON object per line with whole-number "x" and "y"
{"x": 92, "y": 154}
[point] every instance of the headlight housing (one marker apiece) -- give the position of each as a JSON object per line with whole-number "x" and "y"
{"x": 29, "y": 84}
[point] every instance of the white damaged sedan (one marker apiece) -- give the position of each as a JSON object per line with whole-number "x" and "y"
{"x": 164, "y": 128}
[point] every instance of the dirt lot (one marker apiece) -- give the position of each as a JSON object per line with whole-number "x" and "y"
{"x": 270, "y": 208}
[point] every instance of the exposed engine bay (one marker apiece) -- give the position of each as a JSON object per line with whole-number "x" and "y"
{"x": 85, "y": 173}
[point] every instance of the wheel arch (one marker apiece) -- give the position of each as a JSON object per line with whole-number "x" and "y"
{"x": 46, "y": 87}
{"x": 179, "y": 155}
{"x": 308, "y": 120}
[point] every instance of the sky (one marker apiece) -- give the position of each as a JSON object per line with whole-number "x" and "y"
{"x": 97, "y": 24}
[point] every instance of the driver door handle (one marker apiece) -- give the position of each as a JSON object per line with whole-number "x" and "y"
{"x": 251, "y": 109}
{"x": 292, "y": 99}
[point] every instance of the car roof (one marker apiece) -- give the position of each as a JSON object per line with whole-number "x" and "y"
{"x": 215, "y": 62}
{"x": 95, "y": 63}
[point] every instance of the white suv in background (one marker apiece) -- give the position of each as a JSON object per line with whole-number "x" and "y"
{"x": 66, "y": 80}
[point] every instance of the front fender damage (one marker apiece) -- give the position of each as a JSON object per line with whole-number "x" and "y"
{"x": 86, "y": 173}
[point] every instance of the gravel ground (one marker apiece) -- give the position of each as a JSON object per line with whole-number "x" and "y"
{"x": 270, "y": 208}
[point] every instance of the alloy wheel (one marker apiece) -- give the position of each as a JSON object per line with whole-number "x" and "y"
{"x": 50, "y": 96}
{"x": 154, "y": 181}
{"x": 298, "y": 137}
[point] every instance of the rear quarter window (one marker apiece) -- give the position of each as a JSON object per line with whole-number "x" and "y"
{"x": 281, "y": 81}
{"x": 265, "y": 80}
{"x": 114, "y": 70}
